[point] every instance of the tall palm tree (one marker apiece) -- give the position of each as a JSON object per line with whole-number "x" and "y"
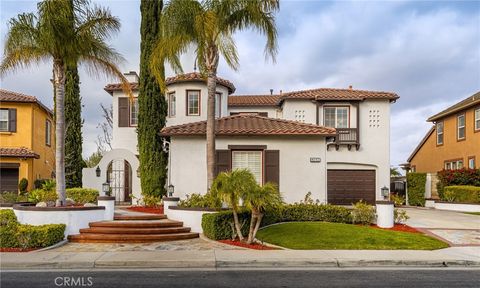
{"x": 258, "y": 200}
{"x": 209, "y": 27}
{"x": 65, "y": 32}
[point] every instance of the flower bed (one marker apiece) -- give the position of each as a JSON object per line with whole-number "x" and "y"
{"x": 3, "y": 249}
{"x": 254, "y": 246}
{"x": 152, "y": 210}
{"x": 399, "y": 227}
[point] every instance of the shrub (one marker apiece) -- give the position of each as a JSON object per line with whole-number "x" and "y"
{"x": 82, "y": 195}
{"x": 398, "y": 200}
{"x": 416, "y": 188}
{"x": 8, "y": 228}
{"x": 40, "y": 195}
{"x": 469, "y": 194}
{"x": 363, "y": 213}
{"x": 49, "y": 185}
{"x": 37, "y": 184}
{"x": 219, "y": 226}
{"x": 12, "y": 197}
{"x": 22, "y": 185}
{"x": 400, "y": 216}
{"x": 469, "y": 177}
{"x": 151, "y": 200}
{"x": 201, "y": 201}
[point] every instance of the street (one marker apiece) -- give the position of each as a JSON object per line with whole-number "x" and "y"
{"x": 442, "y": 277}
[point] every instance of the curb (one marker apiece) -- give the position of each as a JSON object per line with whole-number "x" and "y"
{"x": 56, "y": 245}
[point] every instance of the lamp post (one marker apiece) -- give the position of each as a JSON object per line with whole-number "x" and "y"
{"x": 106, "y": 189}
{"x": 98, "y": 171}
{"x": 170, "y": 190}
{"x": 385, "y": 192}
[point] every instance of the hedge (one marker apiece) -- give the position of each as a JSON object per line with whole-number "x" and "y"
{"x": 82, "y": 195}
{"x": 217, "y": 226}
{"x": 416, "y": 188}
{"x": 15, "y": 235}
{"x": 460, "y": 177}
{"x": 468, "y": 194}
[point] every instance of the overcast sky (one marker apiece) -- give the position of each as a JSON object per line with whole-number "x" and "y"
{"x": 426, "y": 52}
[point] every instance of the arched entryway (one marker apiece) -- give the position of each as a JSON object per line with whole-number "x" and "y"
{"x": 119, "y": 176}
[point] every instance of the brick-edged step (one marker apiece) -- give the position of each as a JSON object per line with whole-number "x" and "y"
{"x": 123, "y": 230}
{"x": 139, "y": 217}
{"x": 117, "y": 238}
{"x": 137, "y": 224}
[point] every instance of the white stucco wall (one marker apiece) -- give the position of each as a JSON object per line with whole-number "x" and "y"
{"x": 297, "y": 175}
{"x": 290, "y": 106}
{"x": 273, "y": 112}
{"x": 122, "y": 137}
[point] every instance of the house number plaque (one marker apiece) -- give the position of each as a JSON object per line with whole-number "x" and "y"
{"x": 315, "y": 159}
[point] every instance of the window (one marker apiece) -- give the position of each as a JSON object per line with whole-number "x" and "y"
{"x": 4, "y": 120}
{"x": 336, "y": 117}
{"x": 218, "y": 105}
{"x": 172, "y": 102}
{"x": 134, "y": 112}
{"x": 251, "y": 160}
{"x": 453, "y": 164}
{"x": 48, "y": 133}
{"x": 461, "y": 127}
{"x": 459, "y": 164}
{"x": 193, "y": 102}
{"x": 477, "y": 119}
{"x": 471, "y": 162}
{"x": 448, "y": 166}
{"x": 439, "y": 133}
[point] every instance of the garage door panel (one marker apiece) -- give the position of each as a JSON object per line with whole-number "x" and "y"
{"x": 345, "y": 187}
{"x": 9, "y": 179}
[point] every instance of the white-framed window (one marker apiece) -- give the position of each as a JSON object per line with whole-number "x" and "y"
{"x": 134, "y": 112}
{"x": 336, "y": 117}
{"x": 439, "y": 133}
{"x": 459, "y": 164}
{"x": 48, "y": 133}
{"x": 461, "y": 127}
{"x": 471, "y": 162}
{"x": 454, "y": 165}
{"x": 300, "y": 116}
{"x": 172, "y": 104}
{"x": 4, "y": 120}
{"x": 251, "y": 160}
{"x": 218, "y": 105}
{"x": 448, "y": 166}
{"x": 193, "y": 102}
{"x": 477, "y": 119}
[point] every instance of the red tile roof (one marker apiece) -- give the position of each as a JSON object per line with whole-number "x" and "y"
{"x": 339, "y": 94}
{"x": 253, "y": 100}
{"x": 249, "y": 124}
{"x": 10, "y": 96}
{"x": 20, "y": 152}
{"x": 188, "y": 77}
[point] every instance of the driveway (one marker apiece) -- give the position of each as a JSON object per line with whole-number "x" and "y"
{"x": 457, "y": 228}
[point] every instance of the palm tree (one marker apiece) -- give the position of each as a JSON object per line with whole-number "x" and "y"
{"x": 258, "y": 200}
{"x": 230, "y": 187}
{"x": 67, "y": 32}
{"x": 209, "y": 27}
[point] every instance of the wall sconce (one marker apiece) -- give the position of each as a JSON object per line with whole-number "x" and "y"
{"x": 98, "y": 171}
{"x": 385, "y": 192}
{"x": 106, "y": 188}
{"x": 170, "y": 190}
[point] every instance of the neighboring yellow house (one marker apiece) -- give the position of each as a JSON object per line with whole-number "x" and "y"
{"x": 27, "y": 147}
{"x": 454, "y": 140}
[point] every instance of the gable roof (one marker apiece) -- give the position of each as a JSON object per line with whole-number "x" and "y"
{"x": 15, "y": 97}
{"x": 253, "y": 100}
{"x": 464, "y": 104}
{"x": 248, "y": 124}
{"x": 424, "y": 139}
{"x": 339, "y": 94}
{"x": 20, "y": 152}
{"x": 188, "y": 77}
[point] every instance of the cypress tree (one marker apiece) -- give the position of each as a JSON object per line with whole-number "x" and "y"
{"x": 152, "y": 106}
{"x": 73, "y": 129}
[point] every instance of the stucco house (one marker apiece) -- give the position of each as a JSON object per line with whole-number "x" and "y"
{"x": 333, "y": 143}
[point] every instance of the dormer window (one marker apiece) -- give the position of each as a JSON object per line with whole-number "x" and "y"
{"x": 193, "y": 102}
{"x": 336, "y": 117}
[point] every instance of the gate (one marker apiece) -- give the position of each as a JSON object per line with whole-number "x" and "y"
{"x": 119, "y": 176}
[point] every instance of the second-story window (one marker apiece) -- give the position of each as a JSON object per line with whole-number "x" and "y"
{"x": 134, "y": 112}
{"x": 193, "y": 102}
{"x": 439, "y": 133}
{"x": 172, "y": 104}
{"x": 48, "y": 133}
{"x": 461, "y": 127}
{"x": 336, "y": 117}
{"x": 477, "y": 119}
{"x": 4, "y": 120}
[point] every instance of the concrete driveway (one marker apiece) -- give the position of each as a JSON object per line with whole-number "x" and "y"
{"x": 457, "y": 228}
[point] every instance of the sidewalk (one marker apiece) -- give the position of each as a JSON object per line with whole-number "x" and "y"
{"x": 211, "y": 259}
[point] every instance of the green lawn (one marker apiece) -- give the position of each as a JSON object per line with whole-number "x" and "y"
{"x": 323, "y": 235}
{"x": 472, "y": 213}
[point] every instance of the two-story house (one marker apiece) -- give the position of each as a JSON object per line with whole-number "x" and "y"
{"x": 26, "y": 140}
{"x": 453, "y": 142}
{"x": 333, "y": 143}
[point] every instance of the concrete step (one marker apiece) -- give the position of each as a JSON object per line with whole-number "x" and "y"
{"x": 128, "y": 238}
{"x": 137, "y": 224}
{"x": 139, "y": 217}
{"x": 137, "y": 231}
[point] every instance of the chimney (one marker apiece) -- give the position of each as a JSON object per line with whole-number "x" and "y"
{"x": 280, "y": 92}
{"x": 132, "y": 77}
{"x": 271, "y": 91}
{"x": 350, "y": 87}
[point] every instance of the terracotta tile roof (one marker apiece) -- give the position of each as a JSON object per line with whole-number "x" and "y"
{"x": 464, "y": 104}
{"x": 20, "y": 152}
{"x": 339, "y": 94}
{"x": 10, "y": 96}
{"x": 188, "y": 77}
{"x": 253, "y": 100}
{"x": 249, "y": 124}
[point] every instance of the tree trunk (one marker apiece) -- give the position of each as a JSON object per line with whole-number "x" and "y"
{"x": 257, "y": 225}
{"x": 237, "y": 225}
{"x": 59, "y": 79}
{"x": 252, "y": 227}
{"x": 211, "y": 85}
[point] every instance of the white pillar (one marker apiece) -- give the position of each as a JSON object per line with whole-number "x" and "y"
{"x": 109, "y": 203}
{"x": 169, "y": 201}
{"x": 385, "y": 214}
{"x": 428, "y": 186}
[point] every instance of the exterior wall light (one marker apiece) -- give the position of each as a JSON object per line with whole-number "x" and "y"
{"x": 385, "y": 192}
{"x": 98, "y": 171}
{"x": 106, "y": 188}
{"x": 170, "y": 190}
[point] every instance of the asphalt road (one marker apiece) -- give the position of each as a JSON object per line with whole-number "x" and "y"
{"x": 251, "y": 278}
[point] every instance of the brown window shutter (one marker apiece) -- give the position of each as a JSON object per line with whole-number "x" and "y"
{"x": 272, "y": 166}
{"x": 12, "y": 120}
{"x": 123, "y": 111}
{"x": 223, "y": 161}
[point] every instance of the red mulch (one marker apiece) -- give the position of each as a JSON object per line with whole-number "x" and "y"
{"x": 255, "y": 246}
{"x": 152, "y": 210}
{"x": 17, "y": 249}
{"x": 399, "y": 227}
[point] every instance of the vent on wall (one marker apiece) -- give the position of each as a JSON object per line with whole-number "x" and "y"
{"x": 373, "y": 118}
{"x": 300, "y": 116}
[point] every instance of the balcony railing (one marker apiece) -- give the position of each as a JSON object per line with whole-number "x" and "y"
{"x": 347, "y": 136}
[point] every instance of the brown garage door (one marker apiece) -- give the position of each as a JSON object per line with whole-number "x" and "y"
{"x": 9, "y": 180}
{"x": 345, "y": 187}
